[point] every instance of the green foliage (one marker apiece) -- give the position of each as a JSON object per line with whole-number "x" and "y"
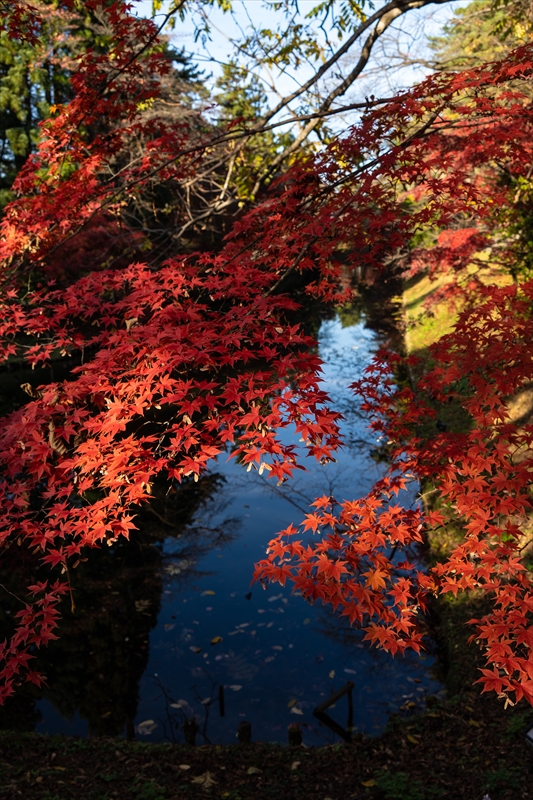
{"x": 503, "y": 778}
{"x": 348, "y": 17}
{"x": 30, "y": 83}
{"x": 150, "y": 791}
{"x": 241, "y": 96}
{"x": 471, "y": 37}
{"x": 350, "y": 314}
{"x": 518, "y": 724}
{"x": 399, "y": 786}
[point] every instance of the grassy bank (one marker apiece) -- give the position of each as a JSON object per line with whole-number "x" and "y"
{"x": 461, "y": 749}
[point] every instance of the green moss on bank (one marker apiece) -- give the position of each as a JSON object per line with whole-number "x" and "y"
{"x": 423, "y": 326}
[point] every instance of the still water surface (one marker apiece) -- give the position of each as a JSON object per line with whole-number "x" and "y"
{"x": 278, "y": 657}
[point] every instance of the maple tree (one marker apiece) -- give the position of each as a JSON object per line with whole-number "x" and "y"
{"x": 176, "y": 361}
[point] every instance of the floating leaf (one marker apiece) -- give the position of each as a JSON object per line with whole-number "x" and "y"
{"x": 350, "y": 671}
{"x": 307, "y": 620}
{"x": 216, "y": 639}
{"x": 206, "y": 701}
{"x": 413, "y": 739}
{"x": 269, "y": 658}
{"x": 169, "y": 626}
{"x": 145, "y": 728}
{"x": 184, "y": 766}
{"x": 207, "y": 591}
{"x": 276, "y": 597}
{"x": 277, "y": 647}
{"x": 331, "y": 674}
{"x": 269, "y": 625}
{"x": 368, "y": 783}
{"x": 195, "y": 649}
{"x": 292, "y": 703}
{"x": 261, "y": 611}
{"x": 235, "y": 687}
{"x": 295, "y": 764}
{"x": 296, "y": 710}
{"x": 253, "y": 771}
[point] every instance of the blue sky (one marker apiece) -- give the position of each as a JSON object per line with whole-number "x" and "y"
{"x": 384, "y": 75}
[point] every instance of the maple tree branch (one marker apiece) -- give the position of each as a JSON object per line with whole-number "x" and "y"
{"x": 12, "y": 595}
{"x": 385, "y": 17}
{"x": 420, "y": 133}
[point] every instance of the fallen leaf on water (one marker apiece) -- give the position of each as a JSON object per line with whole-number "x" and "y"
{"x": 206, "y": 780}
{"x": 261, "y": 611}
{"x": 216, "y": 639}
{"x": 107, "y": 714}
{"x": 331, "y": 674}
{"x": 291, "y": 703}
{"x": 195, "y": 649}
{"x": 145, "y": 728}
{"x": 295, "y": 710}
{"x": 307, "y": 620}
{"x": 184, "y": 766}
{"x": 207, "y": 591}
{"x": 277, "y": 647}
{"x": 269, "y": 625}
{"x": 351, "y": 671}
{"x": 235, "y": 687}
{"x": 253, "y": 771}
{"x": 270, "y": 658}
{"x": 295, "y": 764}
{"x": 205, "y": 701}
{"x": 413, "y": 739}
{"x": 276, "y": 597}
{"x": 368, "y": 783}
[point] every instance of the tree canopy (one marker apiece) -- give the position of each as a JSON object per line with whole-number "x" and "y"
{"x": 180, "y": 349}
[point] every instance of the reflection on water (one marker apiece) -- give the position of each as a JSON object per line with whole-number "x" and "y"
{"x": 170, "y": 629}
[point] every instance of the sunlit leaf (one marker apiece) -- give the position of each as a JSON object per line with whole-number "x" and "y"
{"x": 206, "y": 780}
